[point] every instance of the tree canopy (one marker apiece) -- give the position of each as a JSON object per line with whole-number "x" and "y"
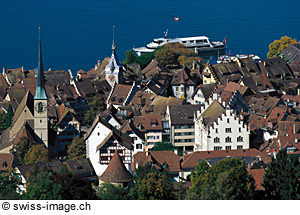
{"x": 9, "y": 182}
{"x": 176, "y": 54}
{"x": 130, "y": 57}
{"x": 36, "y": 154}
{"x": 77, "y": 149}
{"x": 96, "y": 106}
{"x": 108, "y": 191}
{"x": 21, "y": 148}
{"x": 40, "y": 186}
{"x": 279, "y": 45}
{"x": 150, "y": 184}
{"x": 226, "y": 179}
{"x": 281, "y": 180}
{"x": 163, "y": 146}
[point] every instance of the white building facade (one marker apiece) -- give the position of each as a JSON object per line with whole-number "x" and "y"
{"x": 218, "y": 128}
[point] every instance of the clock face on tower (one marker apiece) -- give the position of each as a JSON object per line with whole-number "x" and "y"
{"x": 40, "y": 107}
{"x": 111, "y": 78}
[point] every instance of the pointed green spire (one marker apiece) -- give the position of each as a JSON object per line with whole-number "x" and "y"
{"x": 40, "y": 92}
{"x": 114, "y": 47}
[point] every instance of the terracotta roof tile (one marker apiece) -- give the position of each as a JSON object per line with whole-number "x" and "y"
{"x": 7, "y": 161}
{"x": 258, "y": 176}
{"x": 160, "y": 158}
{"x": 191, "y": 160}
{"x": 116, "y": 171}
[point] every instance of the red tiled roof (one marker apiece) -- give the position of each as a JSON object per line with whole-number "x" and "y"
{"x": 191, "y": 160}
{"x": 159, "y": 158}
{"x": 153, "y": 122}
{"x": 6, "y": 161}
{"x": 116, "y": 171}
{"x": 258, "y": 176}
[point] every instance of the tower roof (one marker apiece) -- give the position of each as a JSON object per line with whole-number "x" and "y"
{"x": 114, "y": 63}
{"x": 40, "y": 92}
{"x": 116, "y": 171}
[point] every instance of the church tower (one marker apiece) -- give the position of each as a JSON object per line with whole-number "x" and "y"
{"x": 113, "y": 70}
{"x": 41, "y": 102}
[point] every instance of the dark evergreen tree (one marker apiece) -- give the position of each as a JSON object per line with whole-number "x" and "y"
{"x": 72, "y": 188}
{"x": 96, "y": 106}
{"x": 130, "y": 57}
{"x": 9, "y": 116}
{"x": 281, "y": 180}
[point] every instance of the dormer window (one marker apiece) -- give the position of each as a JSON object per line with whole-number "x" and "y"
{"x": 4, "y": 165}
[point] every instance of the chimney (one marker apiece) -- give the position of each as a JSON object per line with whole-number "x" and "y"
{"x": 147, "y": 153}
{"x": 294, "y": 128}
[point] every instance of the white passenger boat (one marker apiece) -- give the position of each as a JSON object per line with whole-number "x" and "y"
{"x": 198, "y": 44}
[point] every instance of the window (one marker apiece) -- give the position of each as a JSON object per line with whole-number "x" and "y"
{"x": 157, "y": 137}
{"x": 139, "y": 146}
{"x": 98, "y": 133}
{"x": 240, "y": 139}
{"x": 216, "y": 140}
{"x": 240, "y": 129}
{"x": 228, "y": 147}
{"x": 239, "y": 147}
{"x": 227, "y": 130}
{"x": 218, "y": 148}
{"x": 228, "y": 120}
{"x": 216, "y": 130}
{"x": 228, "y": 139}
{"x": 291, "y": 149}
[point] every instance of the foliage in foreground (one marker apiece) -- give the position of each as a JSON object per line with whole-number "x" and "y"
{"x": 227, "y": 179}
{"x": 281, "y": 180}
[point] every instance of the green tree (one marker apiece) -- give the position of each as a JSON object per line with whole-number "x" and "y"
{"x": 108, "y": 191}
{"x": 163, "y": 146}
{"x": 145, "y": 59}
{"x": 96, "y": 106}
{"x": 36, "y": 153}
{"x": 41, "y": 186}
{"x": 226, "y": 179}
{"x": 9, "y": 182}
{"x": 21, "y": 148}
{"x": 2, "y": 122}
{"x": 72, "y": 188}
{"x": 166, "y": 56}
{"x": 279, "y": 45}
{"x": 150, "y": 184}
{"x": 77, "y": 149}
{"x": 9, "y": 116}
{"x": 130, "y": 57}
{"x": 281, "y": 180}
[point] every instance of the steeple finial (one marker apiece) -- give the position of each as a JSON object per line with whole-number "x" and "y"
{"x": 114, "y": 47}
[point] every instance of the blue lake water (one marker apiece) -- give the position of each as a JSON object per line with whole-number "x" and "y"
{"x": 77, "y": 33}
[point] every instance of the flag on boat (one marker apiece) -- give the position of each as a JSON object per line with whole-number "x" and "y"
{"x": 176, "y": 19}
{"x": 224, "y": 41}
